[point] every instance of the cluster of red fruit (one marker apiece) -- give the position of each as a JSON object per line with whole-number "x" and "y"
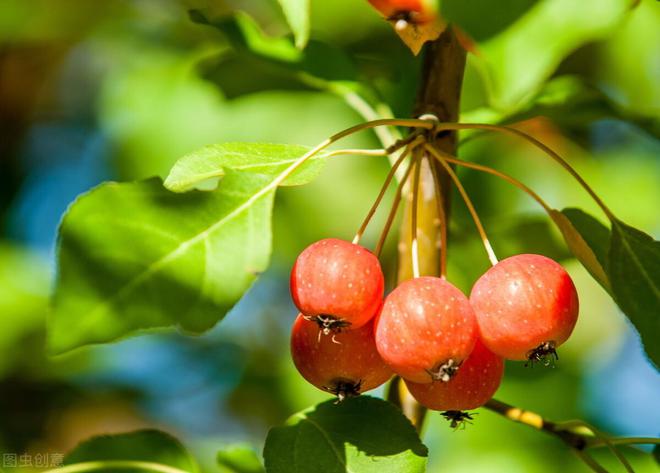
{"x": 449, "y": 349}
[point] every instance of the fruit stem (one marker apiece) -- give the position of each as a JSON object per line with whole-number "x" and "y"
{"x": 393, "y": 210}
{"x": 404, "y": 122}
{"x": 413, "y": 220}
{"x": 386, "y": 135}
{"x": 468, "y": 202}
{"x": 562, "y": 162}
{"x": 454, "y": 160}
{"x": 443, "y": 217}
{"x": 336, "y": 137}
{"x": 357, "y": 152}
{"x": 384, "y": 188}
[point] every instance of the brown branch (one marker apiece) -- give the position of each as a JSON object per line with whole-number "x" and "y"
{"x": 536, "y": 421}
{"x": 439, "y": 95}
{"x": 576, "y": 434}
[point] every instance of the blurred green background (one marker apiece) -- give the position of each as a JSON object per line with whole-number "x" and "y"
{"x": 118, "y": 90}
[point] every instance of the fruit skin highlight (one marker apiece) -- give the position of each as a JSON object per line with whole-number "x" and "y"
{"x": 337, "y": 284}
{"x": 426, "y": 329}
{"x": 526, "y": 306}
{"x": 472, "y": 386}
{"x": 414, "y": 11}
{"x": 346, "y": 364}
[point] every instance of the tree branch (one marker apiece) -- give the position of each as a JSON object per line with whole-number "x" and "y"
{"x": 536, "y": 421}
{"x": 439, "y": 95}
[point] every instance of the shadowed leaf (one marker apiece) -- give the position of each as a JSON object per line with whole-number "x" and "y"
{"x": 634, "y": 268}
{"x": 344, "y": 437}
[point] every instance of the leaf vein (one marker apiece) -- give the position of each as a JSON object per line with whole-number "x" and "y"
{"x": 154, "y": 267}
{"x": 639, "y": 264}
{"x": 330, "y": 443}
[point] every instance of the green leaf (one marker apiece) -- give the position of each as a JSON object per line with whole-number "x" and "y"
{"x": 516, "y": 62}
{"x": 269, "y": 63}
{"x": 469, "y": 15}
{"x": 574, "y": 105}
{"x": 143, "y": 445}
{"x": 134, "y": 256}
{"x": 239, "y": 458}
{"x": 588, "y": 240}
{"x": 626, "y": 262}
{"x": 203, "y": 168}
{"x": 344, "y": 438}
{"x": 253, "y": 38}
{"x": 634, "y": 268}
{"x": 297, "y": 15}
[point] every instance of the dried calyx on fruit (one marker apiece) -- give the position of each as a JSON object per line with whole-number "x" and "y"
{"x": 425, "y": 330}
{"x": 472, "y": 386}
{"x": 337, "y": 284}
{"x": 344, "y": 365}
{"x": 458, "y": 419}
{"x": 526, "y": 307}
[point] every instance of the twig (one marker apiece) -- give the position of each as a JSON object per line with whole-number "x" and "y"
{"x": 578, "y": 442}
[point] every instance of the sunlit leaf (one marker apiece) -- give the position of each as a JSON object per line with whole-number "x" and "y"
{"x": 297, "y": 15}
{"x": 626, "y": 262}
{"x": 574, "y": 106}
{"x": 242, "y": 28}
{"x": 135, "y": 256}
{"x": 520, "y": 58}
{"x": 469, "y": 15}
{"x": 203, "y": 168}
{"x": 344, "y": 438}
{"x": 272, "y": 63}
{"x": 588, "y": 240}
{"x": 634, "y": 268}
{"x": 150, "y": 446}
{"x": 239, "y": 458}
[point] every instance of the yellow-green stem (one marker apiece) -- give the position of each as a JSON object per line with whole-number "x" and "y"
{"x": 541, "y": 146}
{"x": 468, "y": 202}
{"x": 393, "y": 210}
{"x": 414, "y": 247}
{"x": 383, "y": 190}
{"x": 439, "y": 95}
{"x": 452, "y": 159}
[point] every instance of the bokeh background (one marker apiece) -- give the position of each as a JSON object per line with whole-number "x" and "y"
{"x": 118, "y": 90}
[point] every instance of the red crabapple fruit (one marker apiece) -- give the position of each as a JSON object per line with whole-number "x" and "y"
{"x": 425, "y": 330}
{"x": 346, "y": 364}
{"x": 473, "y": 385}
{"x": 413, "y": 11}
{"x": 337, "y": 284}
{"x": 526, "y": 306}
